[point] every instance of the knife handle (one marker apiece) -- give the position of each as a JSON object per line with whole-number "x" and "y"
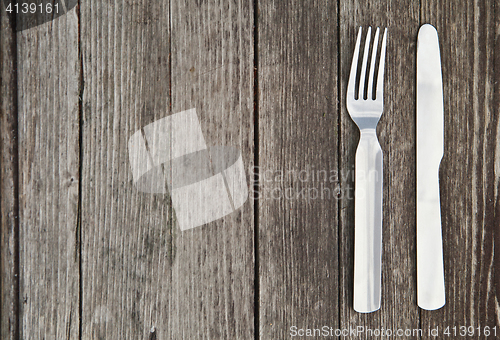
{"x": 368, "y": 223}
{"x": 430, "y": 268}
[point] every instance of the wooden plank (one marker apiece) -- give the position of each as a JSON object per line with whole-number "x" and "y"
{"x": 212, "y": 70}
{"x": 467, "y": 38}
{"x": 127, "y": 250}
{"x": 298, "y": 135}
{"x": 396, "y": 133}
{"x": 9, "y": 198}
{"x": 48, "y": 97}
{"x": 496, "y": 111}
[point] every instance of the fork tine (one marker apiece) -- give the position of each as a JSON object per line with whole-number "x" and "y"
{"x": 352, "y": 77}
{"x": 380, "y": 79}
{"x": 361, "y": 91}
{"x": 372, "y": 64}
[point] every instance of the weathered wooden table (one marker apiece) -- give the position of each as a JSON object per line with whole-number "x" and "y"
{"x": 84, "y": 255}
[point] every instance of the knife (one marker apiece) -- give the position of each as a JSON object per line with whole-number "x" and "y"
{"x": 430, "y": 148}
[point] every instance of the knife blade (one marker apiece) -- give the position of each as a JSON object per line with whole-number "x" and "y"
{"x": 430, "y": 148}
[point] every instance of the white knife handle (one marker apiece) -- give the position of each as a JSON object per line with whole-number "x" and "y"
{"x": 368, "y": 223}
{"x": 430, "y": 269}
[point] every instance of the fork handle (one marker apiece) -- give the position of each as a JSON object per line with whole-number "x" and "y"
{"x": 368, "y": 223}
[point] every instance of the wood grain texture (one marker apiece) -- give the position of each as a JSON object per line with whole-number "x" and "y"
{"x": 212, "y": 71}
{"x": 126, "y": 235}
{"x": 396, "y": 134}
{"x": 48, "y": 90}
{"x": 9, "y": 198}
{"x": 275, "y": 91}
{"x": 298, "y": 135}
{"x": 496, "y": 190}
{"x": 468, "y": 179}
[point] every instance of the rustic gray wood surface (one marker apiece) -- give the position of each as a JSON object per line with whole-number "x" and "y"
{"x": 9, "y": 181}
{"x": 49, "y": 161}
{"x": 85, "y": 255}
{"x": 126, "y": 236}
{"x": 298, "y": 135}
{"x": 212, "y": 274}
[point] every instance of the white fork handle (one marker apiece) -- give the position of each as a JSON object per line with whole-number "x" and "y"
{"x": 368, "y": 223}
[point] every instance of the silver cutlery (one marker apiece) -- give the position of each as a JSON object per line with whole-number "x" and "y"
{"x": 430, "y": 147}
{"x": 365, "y": 109}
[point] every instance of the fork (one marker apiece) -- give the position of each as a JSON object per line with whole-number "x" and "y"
{"x": 365, "y": 111}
